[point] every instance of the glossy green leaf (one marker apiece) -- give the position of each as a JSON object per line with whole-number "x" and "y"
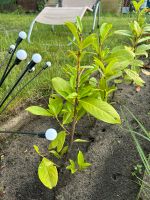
{"x": 81, "y": 162}
{"x": 58, "y": 142}
{"x": 73, "y": 30}
{"x": 48, "y": 173}
{"x": 88, "y": 41}
{"x": 143, "y": 39}
{"x": 36, "y": 148}
{"x": 37, "y": 110}
{"x": 61, "y": 140}
{"x": 79, "y": 24}
{"x": 137, "y": 5}
{"x": 61, "y": 86}
{"x": 64, "y": 150}
{"x": 80, "y": 140}
{"x": 101, "y": 110}
{"x": 55, "y": 153}
{"x": 137, "y": 28}
{"x": 67, "y": 113}
{"x": 142, "y": 50}
{"x": 100, "y": 64}
{"x": 135, "y": 77}
{"x": 105, "y": 31}
{"x": 72, "y": 166}
{"x": 55, "y": 104}
{"x": 124, "y": 33}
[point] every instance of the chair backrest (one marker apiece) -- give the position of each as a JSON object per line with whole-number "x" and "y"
{"x": 78, "y": 3}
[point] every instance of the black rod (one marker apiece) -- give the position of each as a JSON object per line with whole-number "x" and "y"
{"x": 3, "y": 61}
{"x": 6, "y": 74}
{"x": 11, "y": 90}
{"x": 7, "y": 66}
{"x": 20, "y": 90}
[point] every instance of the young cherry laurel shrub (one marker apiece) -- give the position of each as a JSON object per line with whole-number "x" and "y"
{"x": 139, "y": 37}
{"x": 72, "y": 99}
{"x": 111, "y": 64}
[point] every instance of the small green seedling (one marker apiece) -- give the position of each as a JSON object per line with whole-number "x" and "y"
{"x": 79, "y": 165}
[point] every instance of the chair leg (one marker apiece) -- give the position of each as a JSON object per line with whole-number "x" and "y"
{"x": 97, "y": 9}
{"x": 70, "y": 43}
{"x": 52, "y": 28}
{"x": 30, "y": 30}
{"x": 98, "y": 16}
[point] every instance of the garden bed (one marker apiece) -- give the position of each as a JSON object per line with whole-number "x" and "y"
{"x": 110, "y": 150}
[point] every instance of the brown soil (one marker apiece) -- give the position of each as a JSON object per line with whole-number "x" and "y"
{"x": 110, "y": 150}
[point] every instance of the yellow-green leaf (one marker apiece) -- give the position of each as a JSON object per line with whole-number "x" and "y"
{"x": 101, "y": 110}
{"x": 48, "y": 173}
{"x": 37, "y": 110}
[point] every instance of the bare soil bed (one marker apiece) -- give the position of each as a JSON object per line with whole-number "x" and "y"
{"x": 110, "y": 150}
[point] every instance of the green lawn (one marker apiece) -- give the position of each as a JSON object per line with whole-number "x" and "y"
{"x": 51, "y": 45}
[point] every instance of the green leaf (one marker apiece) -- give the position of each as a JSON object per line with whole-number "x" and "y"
{"x": 141, "y": 50}
{"x": 37, "y": 110}
{"x": 61, "y": 140}
{"x": 67, "y": 113}
{"x": 135, "y": 77}
{"x": 79, "y": 24}
{"x": 48, "y": 173}
{"x": 55, "y": 104}
{"x": 36, "y": 148}
{"x": 72, "y": 166}
{"x": 62, "y": 86}
{"x": 105, "y": 31}
{"x": 53, "y": 144}
{"x": 80, "y": 158}
{"x": 58, "y": 142}
{"x": 55, "y": 153}
{"x": 101, "y": 110}
{"x": 72, "y": 95}
{"x": 88, "y": 41}
{"x": 120, "y": 55}
{"x": 93, "y": 81}
{"x": 80, "y": 140}
{"x": 99, "y": 64}
{"x": 143, "y": 39}
{"x": 64, "y": 150}
{"x": 137, "y": 5}
{"x": 124, "y": 33}
{"x": 137, "y": 28}
{"x": 73, "y": 30}
{"x": 82, "y": 165}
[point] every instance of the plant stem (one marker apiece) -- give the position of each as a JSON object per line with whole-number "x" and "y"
{"x": 76, "y": 101}
{"x": 62, "y": 126}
